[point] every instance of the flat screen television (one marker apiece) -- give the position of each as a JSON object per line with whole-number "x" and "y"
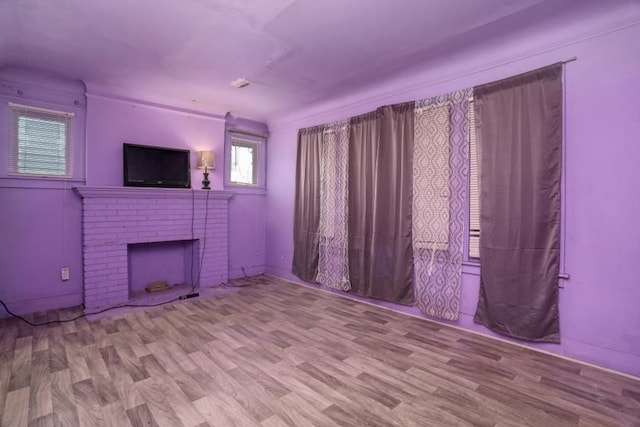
{"x": 146, "y": 166}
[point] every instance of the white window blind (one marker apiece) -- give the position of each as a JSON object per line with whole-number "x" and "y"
{"x": 474, "y": 187}
{"x": 244, "y": 162}
{"x": 39, "y": 142}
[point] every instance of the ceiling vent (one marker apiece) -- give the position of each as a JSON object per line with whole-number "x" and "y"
{"x": 240, "y": 83}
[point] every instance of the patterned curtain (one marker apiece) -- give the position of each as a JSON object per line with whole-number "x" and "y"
{"x": 440, "y": 168}
{"x": 333, "y": 264}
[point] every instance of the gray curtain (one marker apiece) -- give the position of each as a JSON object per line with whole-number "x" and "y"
{"x": 519, "y": 130}
{"x": 380, "y": 190}
{"x": 306, "y": 220}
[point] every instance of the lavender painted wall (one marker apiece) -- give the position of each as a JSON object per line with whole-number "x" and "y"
{"x": 111, "y": 121}
{"x": 39, "y": 235}
{"x": 41, "y": 220}
{"x": 600, "y": 319}
{"x": 247, "y": 244}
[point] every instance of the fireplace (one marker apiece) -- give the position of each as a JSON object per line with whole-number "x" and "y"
{"x": 115, "y": 219}
{"x": 174, "y": 262}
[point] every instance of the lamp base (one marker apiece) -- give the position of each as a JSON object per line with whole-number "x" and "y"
{"x": 205, "y": 181}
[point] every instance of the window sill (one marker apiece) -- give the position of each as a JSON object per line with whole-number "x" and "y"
{"x": 471, "y": 268}
{"x": 39, "y": 182}
{"x": 246, "y": 189}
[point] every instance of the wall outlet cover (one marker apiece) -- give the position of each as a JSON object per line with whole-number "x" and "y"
{"x": 64, "y": 273}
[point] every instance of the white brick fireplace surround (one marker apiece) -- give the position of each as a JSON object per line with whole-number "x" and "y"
{"x": 115, "y": 217}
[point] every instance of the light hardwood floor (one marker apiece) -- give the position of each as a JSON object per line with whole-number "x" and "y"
{"x": 276, "y": 354}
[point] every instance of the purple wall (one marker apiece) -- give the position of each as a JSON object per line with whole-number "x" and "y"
{"x": 41, "y": 220}
{"x": 247, "y": 244}
{"x": 39, "y": 235}
{"x": 110, "y": 122}
{"x": 600, "y": 319}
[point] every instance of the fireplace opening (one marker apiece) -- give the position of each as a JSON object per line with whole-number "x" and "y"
{"x": 174, "y": 262}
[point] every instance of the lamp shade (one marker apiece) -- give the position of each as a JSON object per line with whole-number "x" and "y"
{"x": 206, "y": 159}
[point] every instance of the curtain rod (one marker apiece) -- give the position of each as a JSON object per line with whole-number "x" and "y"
{"x": 502, "y": 64}
{"x": 247, "y": 132}
{"x": 566, "y": 61}
{"x": 575, "y": 58}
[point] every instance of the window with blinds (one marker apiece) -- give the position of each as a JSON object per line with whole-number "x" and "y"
{"x": 39, "y": 142}
{"x": 474, "y": 188}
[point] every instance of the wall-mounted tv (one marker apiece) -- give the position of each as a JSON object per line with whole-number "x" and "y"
{"x": 146, "y": 166}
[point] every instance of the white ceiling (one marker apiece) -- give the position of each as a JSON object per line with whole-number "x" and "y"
{"x": 185, "y": 52}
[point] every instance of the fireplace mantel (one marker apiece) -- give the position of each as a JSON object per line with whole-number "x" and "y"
{"x": 87, "y": 192}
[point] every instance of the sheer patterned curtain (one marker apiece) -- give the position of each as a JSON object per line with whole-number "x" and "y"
{"x": 440, "y": 169}
{"x": 333, "y": 264}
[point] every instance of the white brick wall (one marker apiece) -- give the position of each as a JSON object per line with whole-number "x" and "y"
{"x": 113, "y": 217}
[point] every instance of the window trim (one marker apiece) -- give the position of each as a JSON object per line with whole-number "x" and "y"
{"x": 14, "y": 112}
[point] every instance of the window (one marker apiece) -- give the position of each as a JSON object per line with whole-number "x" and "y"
{"x": 474, "y": 188}
{"x": 245, "y": 161}
{"x": 39, "y": 142}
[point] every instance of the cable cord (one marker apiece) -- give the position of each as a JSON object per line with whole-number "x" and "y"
{"x": 196, "y": 283}
{"x": 204, "y": 236}
{"x": 260, "y": 280}
{"x": 51, "y": 322}
{"x": 193, "y": 238}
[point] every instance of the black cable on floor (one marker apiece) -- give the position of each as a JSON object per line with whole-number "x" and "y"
{"x": 50, "y": 322}
{"x": 227, "y": 285}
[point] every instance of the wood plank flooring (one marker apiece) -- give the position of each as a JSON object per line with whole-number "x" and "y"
{"x": 277, "y": 354}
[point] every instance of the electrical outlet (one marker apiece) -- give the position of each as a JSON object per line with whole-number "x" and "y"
{"x": 64, "y": 273}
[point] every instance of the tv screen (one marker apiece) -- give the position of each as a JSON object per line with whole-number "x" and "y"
{"x": 146, "y": 166}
